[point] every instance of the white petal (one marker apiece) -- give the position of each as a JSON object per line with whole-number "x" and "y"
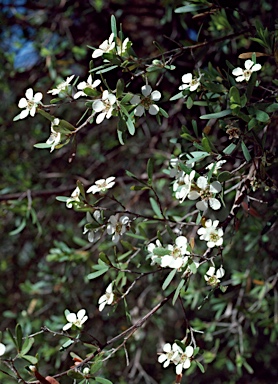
{"x": 240, "y": 78}
{"x": 156, "y": 95}
{"x": 2, "y": 349}
{"x": 29, "y": 93}
{"x": 38, "y": 96}
{"x": 248, "y": 64}
{"x": 24, "y": 113}
{"x": 202, "y": 205}
{"x": 189, "y": 350}
{"x": 167, "y": 347}
{"x": 194, "y": 87}
{"x": 33, "y": 111}
{"x": 67, "y": 326}
{"x": 97, "y": 53}
{"x": 237, "y": 71}
{"x": 112, "y": 99}
{"x": 71, "y": 317}
{"x": 91, "y": 236}
{"x": 100, "y": 118}
{"x": 256, "y": 67}
{"x": 81, "y": 313}
{"x": 215, "y": 187}
{"x": 214, "y": 203}
{"x": 162, "y": 358}
{"x": 220, "y": 273}
{"x": 193, "y": 195}
{"x": 135, "y": 100}
{"x": 139, "y": 110}
{"x": 179, "y": 369}
{"x": 101, "y": 306}
{"x": 146, "y": 90}
{"x": 78, "y": 94}
{"x": 153, "y": 110}
{"x": 22, "y": 103}
{"x": 186, "y": 364}
{"x": 187, "y": 78}
{"x": 98, "y": 106}
{"x": 202, "y": 182}
{"x": 211, "y": 271}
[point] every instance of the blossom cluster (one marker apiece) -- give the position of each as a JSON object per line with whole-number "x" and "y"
{"x": 176, "y": 355}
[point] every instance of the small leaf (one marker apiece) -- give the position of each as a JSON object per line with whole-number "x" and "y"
{"x": 224, "y": 176}
{"x": 96, "y": 274}
{"x": 191, "y": 8}
{"x": 150, "y": 169}
{"x": 114, "y": 25}
{"x": 200, "y": 366}
{"x": 216, "y": 115}
{"x": 120, "y": 88}
{"x": 20, "y": 228}
{"x": 228, "y": 150}
{"x": 106, "y": 69}
{"x": 67, "y": 344}
{"x": 42, "y": 145}
{"x": 234, "y": 95}
{"x": 12, "y": 338}
{"x": 168, "y": 279}
{"x": 156, "y": 208}
{"x": 101, "y": 380}
{"x": 62, "y": 198}
{"x": 262, "y": 116}
{"x": 96, "y": 366}
{"x": 18, "y": 334}
{"x": 31, "y": 359}
{"x": 179, "y": 287}
{"x": 245, "y": 151}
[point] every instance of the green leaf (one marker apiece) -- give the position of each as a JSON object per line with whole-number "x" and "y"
{"x": 224, "y": 176}
{"x": 189, "y": 102}
{"x": 62, "y": 198}
{"x": 272, "y": 108}
{"x": 163, "y": 113}
{"x": 67, "y": 344}
{"x": 98, "y": 273}
{"x": 216, "y": 115}
{"x": 206, "y": 144}
{"x": 27, "y": 345}
{"x": 31, "y": 359}
{"x": 120, "y": 88}
{"x": 75, "y": 374}
{"x": 12, "y": 338}
{"x": 42, "y": 145}
{"x": 245, "y": 151}
{"x": 168, "y": 279}
{"x": 129, "y": 122}
{"x": 228, "y": 150}
{"x": 114, "y": 25}
{"x": 179, "y": 287}
{"x": 106, "y": 69}
{"x": 120, "y": 137}
{"x": 200, "y": 366}
{"x": 262, "y": 116}
{"x": 46, "y": 115}
{"x": 101, "y": 380}
{"x": 234, "y": 95}
{"x": 18, "y": 335}
{"x": 65, "y": 124}
{"x": 158, "y": 251}
{"x": 156, "y": 208}
{"x": 96, "y": 366}
{"x": 191, "y": 8}
{"x": 20, "y": 228}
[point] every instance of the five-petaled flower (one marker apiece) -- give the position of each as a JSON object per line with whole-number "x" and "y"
{"x": 170, "y": 353}
{"x": 184, "y": 361}
{"x": 176, "y": 257}
{"x": 211, "y": 234}
{"x": 2, "y": 349}
{"x": 75, "y": 319}
{"x": 102, "y": 185}
{"x": 55, "y": 137}
{"x": 190, "y": 82}
{"x": 107, "y": 298}
{"x": 62, "y": 87}
{"x": 86, "y": 84}
{"x": 105, "y": 47}
{"x": 117, "y": 227}
{"x": 245, "y": 74}
{"x": 104, "y": 106}
{"x": 213, "y": 277}
{"x": 30, "y": 103}
{"x": 74, "y": 198}
{"x": 206, "y": 191}
{"x": 182, "y": 186}
{"x": 93, "y": 234}
{"x": 121, "y": 46}
{"x": 146, "y": 102}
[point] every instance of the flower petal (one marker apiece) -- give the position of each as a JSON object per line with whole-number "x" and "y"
{"x": 156, "y": 95}
{"x": 187, "y": 78}
{"x": 153, "y": 110}
{"x": 146, "y": 90}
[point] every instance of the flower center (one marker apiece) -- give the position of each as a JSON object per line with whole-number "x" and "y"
{"x": 176, "y": 253}
{"x": 146, "y": 102}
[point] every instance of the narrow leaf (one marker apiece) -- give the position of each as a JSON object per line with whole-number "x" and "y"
{"x": 245, "y": 151}
{"x": 216, "y": 115}
{"x": 156, "y": 208}
{"x": 168, "y": 279}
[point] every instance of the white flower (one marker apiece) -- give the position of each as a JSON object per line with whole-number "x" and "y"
{"x": 184, "y": 359}
{"x": 105, "y": 106}
{"x": 93, "y": 235}
{"x": 117, "y": 227}
{"x": 171, "y": 352}
{"x": 61, "y": 87}
{"x": 30, "y": 103}
{"x": 55, "y": 137}
{"x": 155, "y": 258}
{"x": 2, "y": 349}
{"x": 106, "y": 46}
{"x": 245, "y": 74}
{"x": 182, "y": 186}
{"x": 213, "y": 278}
{"x": 74, "y": 198}
{"x": 211, "y": 234}
{"x": 89, "y": 84}
{"x": 122, "y": 47}
{"x": 218, "y": 165}
{"x": 146, "y": 102}
{"x": 102, "y": 185}
{"x": 75, "y": 319}
{"x": 206, "y": 192}
{"x": 176, "y": 258}
{"x": 191, "y": 83}
{"x": 176, "y": 170}
{"x": 107, "y": 298}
